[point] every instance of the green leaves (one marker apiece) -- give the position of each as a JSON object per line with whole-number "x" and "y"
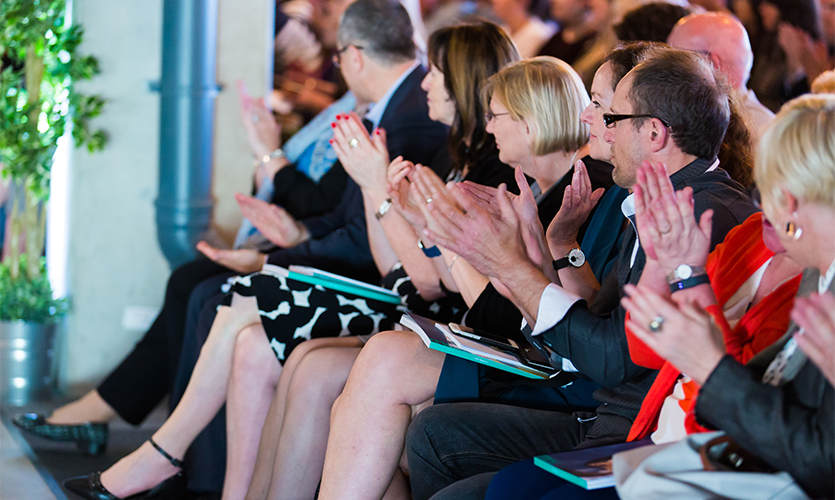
{"x": 41, "y": 65}
{"x": 28, "y": 299}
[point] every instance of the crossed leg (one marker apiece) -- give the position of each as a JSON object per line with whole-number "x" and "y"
{"x": 204, "y": 396}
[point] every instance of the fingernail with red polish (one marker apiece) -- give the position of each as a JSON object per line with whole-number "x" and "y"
{"x": 333, "y": 124}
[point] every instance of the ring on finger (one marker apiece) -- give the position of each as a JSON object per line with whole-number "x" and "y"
{"x": 656, "y": 324}
{"x": 353, "y": 143}
{"x": 428, "y": 200}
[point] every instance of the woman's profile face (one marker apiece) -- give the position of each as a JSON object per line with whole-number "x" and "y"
{"x": 511, "y": 137}
{"x": 601, "y": 99}
{"x": 441, "y": 106}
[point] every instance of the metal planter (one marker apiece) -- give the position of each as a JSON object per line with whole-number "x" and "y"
{"x": 26, "y": 362}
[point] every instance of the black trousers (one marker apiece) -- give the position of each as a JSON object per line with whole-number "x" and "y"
{"x": 147, "y": 374}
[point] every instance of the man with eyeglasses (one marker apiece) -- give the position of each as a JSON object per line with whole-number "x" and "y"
{"x": 672, "y": 108}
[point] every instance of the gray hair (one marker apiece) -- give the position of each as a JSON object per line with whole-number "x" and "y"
{"x": 381, "y": 27}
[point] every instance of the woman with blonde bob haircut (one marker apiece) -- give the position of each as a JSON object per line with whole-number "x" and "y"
{"x": 549, "y": 96}
{"x": 791, "y": 400}
{"x": 533, "y": 110}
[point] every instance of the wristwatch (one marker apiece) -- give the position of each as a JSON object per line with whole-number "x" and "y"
{"x": 384, "y": 209}
{"x": 575, "y": 258}
{"x": 686, "y": 276}
{"x": 684, "y": 272}
{"x": 430, "y": 252}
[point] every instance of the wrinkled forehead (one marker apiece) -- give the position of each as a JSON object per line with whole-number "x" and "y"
{"x": 620, "y": 101}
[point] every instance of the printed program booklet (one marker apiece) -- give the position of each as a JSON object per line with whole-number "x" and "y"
{"x": 478, "y": 347}
{"x": 589, "y": 468}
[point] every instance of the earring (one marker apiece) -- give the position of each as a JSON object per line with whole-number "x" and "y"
{"x": 793, "y": 231}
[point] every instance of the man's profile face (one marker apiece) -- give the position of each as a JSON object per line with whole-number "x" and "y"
{"x": 624, "y": 137}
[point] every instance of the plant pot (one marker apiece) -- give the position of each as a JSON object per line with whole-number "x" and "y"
{"x": 26, "y": 362}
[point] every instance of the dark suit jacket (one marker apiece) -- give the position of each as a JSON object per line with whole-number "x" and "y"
{"x": 593, "y": 337}
{"x": 792, "y": 427}
{"x": 339, "y": 239}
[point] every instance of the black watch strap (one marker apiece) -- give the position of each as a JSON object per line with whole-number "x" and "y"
{"x": 689, "y": 283}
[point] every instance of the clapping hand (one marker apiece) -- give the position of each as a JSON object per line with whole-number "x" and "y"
{"x": 402, "y": 200}
{"x": 272, "y": 221}
{"x": 490, "y": 244}
{"x": 816, "y": 315}
{"x": 244, "y": 261}
{"x": 524, "y": 204}
{"x": 683, "y": 334}
{"x": 666, "y": 222}
{"x": 366, "y": 159}
{"x": 427, "y": 187}
{"x": 262, "y": 131}
{"x": 577, "y": 203}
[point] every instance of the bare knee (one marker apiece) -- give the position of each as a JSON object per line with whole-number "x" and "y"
{"x": 253, "y": 356}
{"x": 386, "y": 354}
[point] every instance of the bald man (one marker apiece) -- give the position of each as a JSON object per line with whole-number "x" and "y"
{"x": 724, "y": 40}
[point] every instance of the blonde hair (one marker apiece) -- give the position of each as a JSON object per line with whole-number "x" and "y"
{"x": 549, "y": 95}
{"x": 797, "y": 152}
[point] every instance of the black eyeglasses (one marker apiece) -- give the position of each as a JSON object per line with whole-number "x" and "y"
{"x": 489, "y": 115}
{"x": 335, "y": 57}
{"x": 610, "y": 119}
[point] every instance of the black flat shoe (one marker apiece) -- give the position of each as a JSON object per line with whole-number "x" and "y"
{"x": 173, "y": 488}
{"x": 90, "y": 438}
{"x": 90, "y": 487}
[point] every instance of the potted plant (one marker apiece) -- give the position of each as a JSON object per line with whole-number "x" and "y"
{"x": 38, "y": 101}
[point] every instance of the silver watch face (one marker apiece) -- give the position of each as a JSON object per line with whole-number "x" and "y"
{"x": 684, "y": 272}
{"x": 576, "y": 257}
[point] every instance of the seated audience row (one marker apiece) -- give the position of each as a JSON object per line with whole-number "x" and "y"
{"x": 681, "y": 280}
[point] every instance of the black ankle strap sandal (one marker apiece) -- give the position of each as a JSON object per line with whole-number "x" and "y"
{"x": 174, "y": 461}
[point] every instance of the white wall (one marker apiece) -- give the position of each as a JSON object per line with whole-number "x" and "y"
{"x": 114, "y": 258}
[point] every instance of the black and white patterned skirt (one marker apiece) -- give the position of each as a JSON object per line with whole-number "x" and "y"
{"x": 293, "y": 311}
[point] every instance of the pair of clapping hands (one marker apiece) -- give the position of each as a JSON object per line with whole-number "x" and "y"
{"x": 688, "y": 337}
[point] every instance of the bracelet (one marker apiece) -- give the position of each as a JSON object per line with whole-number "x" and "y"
{"x": 689, "y": 283}
{"x": 278, "y": 153}
{"x": 384, "y": 209}
{"x": 452, "y": 263}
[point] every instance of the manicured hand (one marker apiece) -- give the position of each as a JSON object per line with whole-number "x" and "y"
{"x": 244, "y": 261}
{"x": 273, "y": 222}
{"x": 367, "y": 161}
{"x": 816, "y": 315}
{"x": 688, "y": 338}
{"x": 577, "y": 203}
{"x": 666, "y": 223}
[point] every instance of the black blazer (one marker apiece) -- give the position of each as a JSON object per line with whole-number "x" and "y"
{"x": 792, "y": 427}
{"x": 339, "y": 239}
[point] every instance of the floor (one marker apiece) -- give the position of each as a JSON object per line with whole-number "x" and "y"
{"x": 32, "y": 468}
{"x": 21, "y": 475}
